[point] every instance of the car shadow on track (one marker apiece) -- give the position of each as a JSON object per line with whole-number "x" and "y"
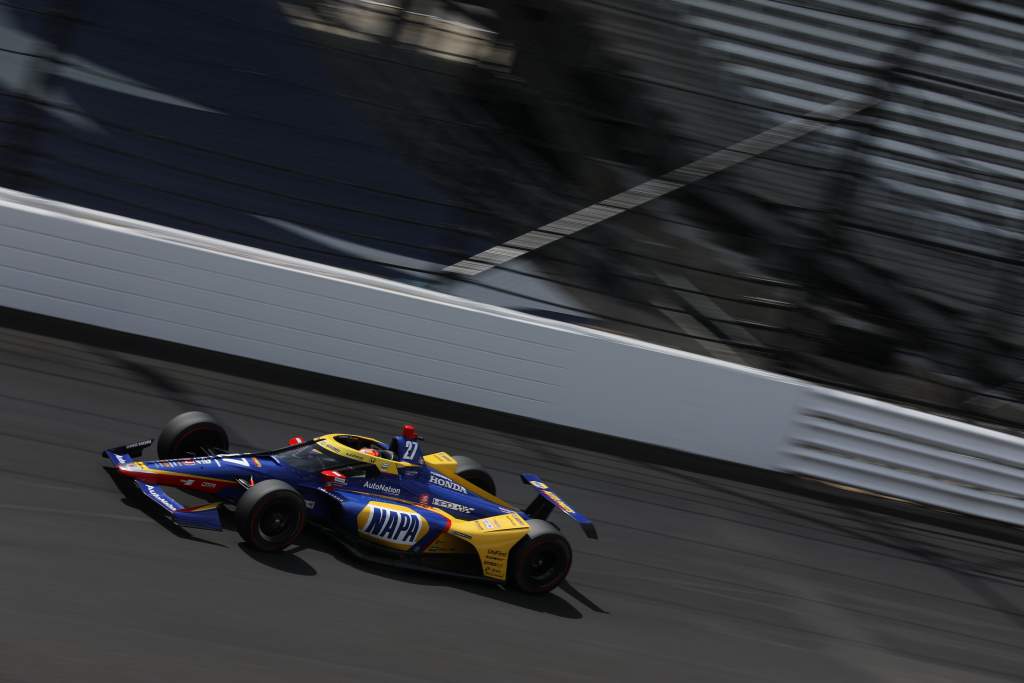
{"x": 575, "y": 593}
{"x": 287, "y": 561}
{"x": 290, "y": 562}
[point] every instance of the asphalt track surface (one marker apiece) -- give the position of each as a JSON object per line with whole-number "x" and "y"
{"x": 697, "y": 576}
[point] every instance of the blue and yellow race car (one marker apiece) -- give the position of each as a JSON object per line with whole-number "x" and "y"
{"x": 385, "y": 502}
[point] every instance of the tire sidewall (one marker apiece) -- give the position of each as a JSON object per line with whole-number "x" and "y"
{"x": 256, "y": 502}
{"x": 188, "y": 426}
{"x": 518, "y": 574}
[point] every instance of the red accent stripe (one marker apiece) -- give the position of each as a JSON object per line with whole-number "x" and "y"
{"x": 176, "y": 480}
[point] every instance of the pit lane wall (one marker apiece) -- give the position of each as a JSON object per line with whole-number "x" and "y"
{"x": 87, "y": 266}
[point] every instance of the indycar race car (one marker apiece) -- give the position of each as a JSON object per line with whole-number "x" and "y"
{"x": 392, "y": 504}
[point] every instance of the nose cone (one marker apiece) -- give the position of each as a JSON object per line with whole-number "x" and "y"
{"x": 202, "y": 474}
{"x": 132, "y": 469}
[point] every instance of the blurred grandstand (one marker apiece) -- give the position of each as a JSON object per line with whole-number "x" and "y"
{"x": 879, "y": 253}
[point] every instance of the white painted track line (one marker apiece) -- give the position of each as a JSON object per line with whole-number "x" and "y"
{"x": 655, "y": 188}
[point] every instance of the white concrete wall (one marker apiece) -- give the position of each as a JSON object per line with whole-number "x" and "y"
{"x": 106, "y": 270}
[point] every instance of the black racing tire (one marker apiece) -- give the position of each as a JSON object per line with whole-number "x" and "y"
{"x": 470, "y": 470}
{"x": 270, "y": 515}
{"x": 190, "y": 433}
{"x": 539, "y": 562}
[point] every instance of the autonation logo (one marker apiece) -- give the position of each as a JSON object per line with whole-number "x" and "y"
{"x": 154, "y": 493}
{"x": 381, "y": 487}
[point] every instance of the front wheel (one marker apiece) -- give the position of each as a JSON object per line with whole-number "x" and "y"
{"x": 270, "y": 515}
{"x": 539, "y": 563}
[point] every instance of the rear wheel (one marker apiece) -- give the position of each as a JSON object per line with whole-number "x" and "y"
{"x": 475, "y": 474}
{"x": 540, "y": 561}
{"x": 270, "y": 515}
{"x": 192, "y": 433}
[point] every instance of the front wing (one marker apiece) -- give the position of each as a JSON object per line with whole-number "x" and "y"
{"x": 198, "y": 517}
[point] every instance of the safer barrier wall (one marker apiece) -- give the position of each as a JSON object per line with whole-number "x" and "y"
{"x": 908, "y": 454}
{"x": 106, "y": 270}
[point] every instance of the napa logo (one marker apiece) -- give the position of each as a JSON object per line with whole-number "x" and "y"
{"x": 395, "y": 526}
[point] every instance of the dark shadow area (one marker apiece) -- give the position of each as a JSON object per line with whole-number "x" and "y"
{"x": 587, "y": 602}
{"x": 226, "y": 122}
{"x": 870, "y": 520}
{"x": 160, "y": 380}
{"x": 986, "y": 580}
{"x": 502, "y": 422}
{"x": 287, "y": 561}
{"x": 319, "y": 542}
{"x": 977, "y": 576}
{"x": 589, "y": 321}
{"x": 161, "y": 519}
{"x": 150, "y": 375}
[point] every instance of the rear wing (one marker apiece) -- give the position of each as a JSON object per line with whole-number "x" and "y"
{"x": 547, "y": 500}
